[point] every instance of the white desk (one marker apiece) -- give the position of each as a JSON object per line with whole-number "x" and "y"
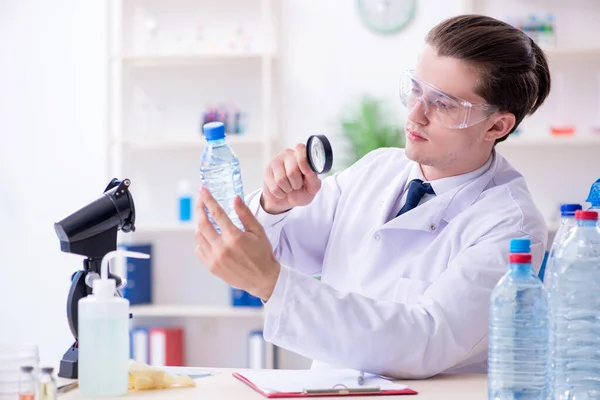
{"x": 223, "y": 386}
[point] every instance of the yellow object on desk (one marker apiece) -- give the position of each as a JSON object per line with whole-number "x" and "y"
{"x": 144, "y": 377}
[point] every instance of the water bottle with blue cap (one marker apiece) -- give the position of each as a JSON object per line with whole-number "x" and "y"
{"x": 518, "y": 331}
{"x": 220, "y": 171}
{"x": 594, "y": 197}
{"x": 520, "y": 245}
{"x": 575, "y": 312}
{"x": 567, "y": 223}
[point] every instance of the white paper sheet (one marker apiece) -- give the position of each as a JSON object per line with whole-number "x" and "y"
{"x": 296, "y": 381}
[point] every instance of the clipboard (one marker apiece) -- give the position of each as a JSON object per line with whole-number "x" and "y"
{"x": 303, "y": 383}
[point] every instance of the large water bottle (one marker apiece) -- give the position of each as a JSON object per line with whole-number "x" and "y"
{"x": 220, "y": 171}
{"x": 575, "y": 312}
{"x": 594, "y": 197}
{"x": 567, "y": 223}
{"x": 518, "y": 334}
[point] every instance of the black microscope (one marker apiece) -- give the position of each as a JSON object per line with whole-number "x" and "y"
{"x": 92, "y": 232}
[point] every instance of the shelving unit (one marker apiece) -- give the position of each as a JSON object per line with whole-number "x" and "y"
{"x": 170, "y": 311}
{"x": 558, "y": 169}
{"x": 194, "y": 144}
{"x": 543, "y": 141}
{"x": 592, "y": 51}
{"x": 168, "y": 61}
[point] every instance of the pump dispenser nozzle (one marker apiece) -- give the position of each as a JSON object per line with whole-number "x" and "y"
{"x": 104, "y": 286}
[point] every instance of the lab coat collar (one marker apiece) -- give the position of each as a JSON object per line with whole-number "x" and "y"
{"x": 443, "y": 207}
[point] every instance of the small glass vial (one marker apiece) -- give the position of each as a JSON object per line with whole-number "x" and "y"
{"x": 27, "y": 383}
{"x": 47, "y": 386}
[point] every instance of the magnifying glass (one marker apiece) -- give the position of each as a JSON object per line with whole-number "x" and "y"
{"x": 319, "y": 153}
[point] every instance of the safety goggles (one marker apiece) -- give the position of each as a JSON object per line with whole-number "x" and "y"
{"x": 447, "y": 110}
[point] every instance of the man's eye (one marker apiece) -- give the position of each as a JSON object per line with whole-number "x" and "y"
{"x": 443, "y": 105}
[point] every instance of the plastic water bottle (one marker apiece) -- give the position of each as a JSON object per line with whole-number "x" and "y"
{"x": 567, "y": 223}
{"x": 594, "y": 197}
{"x": 220, "y": 171}
{"x": 575, "y": 312}
{"x": 518, "y": 335}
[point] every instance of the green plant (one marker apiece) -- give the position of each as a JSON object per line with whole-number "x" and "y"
{"x": 366, "y": 126}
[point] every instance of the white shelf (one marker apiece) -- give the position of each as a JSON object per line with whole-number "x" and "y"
{"x": 149, "y": 311}
{"x": 571, "y": 51}
{"x": 192, "y": 143}
{"x": 185, "y": 59}
{"x": 561, "y": 141}
{"x": 187, "y": 228}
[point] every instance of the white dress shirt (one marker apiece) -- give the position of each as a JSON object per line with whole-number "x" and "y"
{"x": 439, "y": 186}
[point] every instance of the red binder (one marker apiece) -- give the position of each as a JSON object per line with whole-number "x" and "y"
{"x": 166, "y": 347}
{"x": 369, "y": 389}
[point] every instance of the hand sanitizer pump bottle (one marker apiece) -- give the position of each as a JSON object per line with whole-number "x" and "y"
{"x": 103, "y": 336}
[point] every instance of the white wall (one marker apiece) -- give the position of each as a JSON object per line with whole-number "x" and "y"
{"x": 52, "y": 157}
{"x": 330, "y": 59}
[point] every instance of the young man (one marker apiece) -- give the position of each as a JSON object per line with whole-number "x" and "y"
{"x": 408, "y": 243}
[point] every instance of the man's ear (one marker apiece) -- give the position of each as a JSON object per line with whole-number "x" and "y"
{"x": 501, "y": 124}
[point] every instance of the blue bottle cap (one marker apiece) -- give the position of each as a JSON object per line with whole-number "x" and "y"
{"x": 520, "y": 245}
{"x": 213, "y": 130}
{"x": 568, "y": 210}
{"x": 594, "y": 196}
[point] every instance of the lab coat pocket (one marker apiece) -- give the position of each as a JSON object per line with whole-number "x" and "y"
{"x": 407, "y": 291}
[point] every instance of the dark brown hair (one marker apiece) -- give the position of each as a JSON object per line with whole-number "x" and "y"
{"x": 514, "y": 71}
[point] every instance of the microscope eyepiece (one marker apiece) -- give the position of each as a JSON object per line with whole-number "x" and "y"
{"x": 91, "y": 231}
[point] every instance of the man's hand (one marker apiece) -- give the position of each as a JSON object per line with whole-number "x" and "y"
{"x": 289, "y": 181}
{"x": 243, "y": 259}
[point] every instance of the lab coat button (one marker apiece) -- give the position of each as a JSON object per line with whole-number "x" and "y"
{"x": 432, "y": 227}
{"x": 377, "y": 237}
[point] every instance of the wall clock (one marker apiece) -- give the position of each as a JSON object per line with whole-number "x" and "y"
{"x": 386, "y": 16}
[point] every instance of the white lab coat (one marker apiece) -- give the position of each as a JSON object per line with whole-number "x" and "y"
{"x": 406, "y": 298}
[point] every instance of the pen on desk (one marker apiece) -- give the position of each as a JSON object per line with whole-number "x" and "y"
{"x": 67, "y": 388}
{"x": 361, "y": 378}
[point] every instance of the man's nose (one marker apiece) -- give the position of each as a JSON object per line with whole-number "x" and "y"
{"x": 417, "y": 113}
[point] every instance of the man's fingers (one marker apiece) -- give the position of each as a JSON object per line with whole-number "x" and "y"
{"x": 280, "y": 176}
{"x": 218, "y": 214}
{"x": 204, "y": 227}
{"x": 302, "y": 160}
{"x": 272, "y": 185}
{"x": 248, "y": 219}
{"x": 312, "y": 183}
{"x": 202, "y": 251}
{"x": 293, "y": 173}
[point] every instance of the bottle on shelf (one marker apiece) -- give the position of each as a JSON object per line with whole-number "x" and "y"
{"x": 596, "y": 124}
{"x": 574, "y": 313}
{"x": 518, "y": 331}
{"x": 184, "y": 197}
{"x": 220, "y": 171}
{"x": 546, "y": 38}
{"x": 562, "y": 124}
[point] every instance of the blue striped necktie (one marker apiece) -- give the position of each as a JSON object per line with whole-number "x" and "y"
{"x": 416, "y": 190}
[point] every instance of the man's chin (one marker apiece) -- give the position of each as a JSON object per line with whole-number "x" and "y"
{"x": 411, "y": 153}
{"x": 417, "y": 156}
